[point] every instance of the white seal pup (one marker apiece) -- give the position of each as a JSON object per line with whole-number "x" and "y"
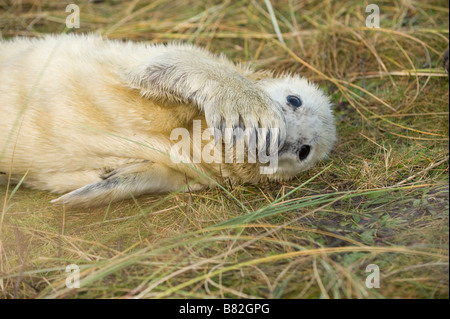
{"x": 96, "y": 118}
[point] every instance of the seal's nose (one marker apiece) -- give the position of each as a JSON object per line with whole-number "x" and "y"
{"x": 304, "y": 152}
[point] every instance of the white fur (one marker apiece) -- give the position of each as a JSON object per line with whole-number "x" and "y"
{"x": 79, "y": 110}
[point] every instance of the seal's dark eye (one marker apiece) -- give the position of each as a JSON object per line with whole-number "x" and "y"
{"x": 294, "y": 101}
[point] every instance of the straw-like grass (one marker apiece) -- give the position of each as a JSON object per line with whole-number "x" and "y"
{"x": 381, "y": 199}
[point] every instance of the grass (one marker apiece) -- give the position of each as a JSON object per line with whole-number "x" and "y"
{"x": 381, "y": 199}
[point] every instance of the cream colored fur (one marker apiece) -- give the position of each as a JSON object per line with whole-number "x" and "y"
{"x": 93, "y": 117}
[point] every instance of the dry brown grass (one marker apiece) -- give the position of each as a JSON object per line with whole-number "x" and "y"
{"x": 383, "y": 198}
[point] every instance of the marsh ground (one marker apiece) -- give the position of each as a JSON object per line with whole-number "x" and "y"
{"x": 382, "y": 197}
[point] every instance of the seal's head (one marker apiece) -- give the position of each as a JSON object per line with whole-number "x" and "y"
{"x": 310, "y": 126}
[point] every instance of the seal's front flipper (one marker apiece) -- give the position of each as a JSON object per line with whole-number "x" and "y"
{"x": 125, "y": 182}
{"x": 194, "y": 77}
